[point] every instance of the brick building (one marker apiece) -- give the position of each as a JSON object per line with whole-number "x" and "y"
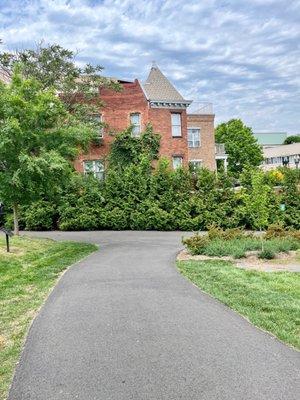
{"x": 185, "y": 138}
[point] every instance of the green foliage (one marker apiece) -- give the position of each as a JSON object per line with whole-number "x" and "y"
{"x": 291, "y": 198}
{"x": 275, "y": 230}
{"x": 54, "y": 67}
{"x": 196, "y": 244}
{"x": 292, "y": 139}
{"x": 219, "y": 243}
{"x": 146, "y": 194}
{"x": 80, "y": 208}
{"x": 240, "y": 144}
{"x": 40, "y": 215}
{"x": 127, "y": 149}
{"x": 215, "y": 232}
{"x": 38, "y": 137}
{"x": 257, "y": 201}
{"x": 266, "y": 254}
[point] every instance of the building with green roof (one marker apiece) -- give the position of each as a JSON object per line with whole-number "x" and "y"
{"x": 267, "y": 139}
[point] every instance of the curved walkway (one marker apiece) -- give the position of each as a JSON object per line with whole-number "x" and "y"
{"x": 123, "y": 324}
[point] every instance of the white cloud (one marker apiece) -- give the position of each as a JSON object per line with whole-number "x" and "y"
{"x": 242, "y": 56}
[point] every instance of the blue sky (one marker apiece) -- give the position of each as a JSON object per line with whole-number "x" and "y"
{"x": 243, "y": 56}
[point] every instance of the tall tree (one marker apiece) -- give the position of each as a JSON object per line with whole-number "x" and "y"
{"x": 241, "y": 146}
{"x": 38, "y": 139}
{"x": 55, "y": 67}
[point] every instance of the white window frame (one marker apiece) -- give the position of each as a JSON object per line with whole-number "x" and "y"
{"x": 173, "y": 161}
{"x": 97, "y": 169}
{"x": 99, "y": 119}
{"x": 176, "y": 127}
{"x": 136, "y": 130}
{"x": 193, "y": 162}
{"x": 194, "y": 141}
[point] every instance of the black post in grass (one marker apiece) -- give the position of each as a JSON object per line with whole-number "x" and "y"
{"x": 8, "y": 233}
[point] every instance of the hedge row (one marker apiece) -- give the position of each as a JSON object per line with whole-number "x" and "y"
{"x": 139, "y": 197}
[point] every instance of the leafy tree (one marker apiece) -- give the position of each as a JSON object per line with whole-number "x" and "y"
{"x": 292, "y": 139}
{"x": 38, "y": 137}
{"x": 55, "y": 68}
{"x": 240, "y": 144}
{"x": 257, "y": 202}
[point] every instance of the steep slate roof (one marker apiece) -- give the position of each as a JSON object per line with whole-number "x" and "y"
{"x": 158, "y": 87}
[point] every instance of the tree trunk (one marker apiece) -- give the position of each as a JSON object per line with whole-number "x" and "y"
{"x": 261, "y": 238}
{"x": 16, "y": 219}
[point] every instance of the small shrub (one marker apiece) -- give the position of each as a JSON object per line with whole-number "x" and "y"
{"x": 233, "y": 233}
{"x": 266, "y": 254}
{"x": 215, "y": 232}
{"x": 239, "y": 253}
{"x": 275, "y": 230}
{"x": 294, "y": 235}
{"x": 196, "y": 244}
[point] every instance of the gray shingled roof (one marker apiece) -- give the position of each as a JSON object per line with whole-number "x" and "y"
{"x": 159, "y": 88}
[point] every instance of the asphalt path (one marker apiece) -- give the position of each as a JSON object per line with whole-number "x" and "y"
{"x": 124, "y": 324}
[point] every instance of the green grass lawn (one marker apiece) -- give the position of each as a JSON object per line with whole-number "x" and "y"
{"x": 27, "y": 275}
{"x": 270, "y": 300}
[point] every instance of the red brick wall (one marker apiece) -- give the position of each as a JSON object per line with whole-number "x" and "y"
{"x": 206, "y": 152}
{"x": 169, "y": 146}
{"x": 116, "y": 114}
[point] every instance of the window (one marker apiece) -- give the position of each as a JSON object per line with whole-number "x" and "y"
{"x": 195, "y": 164}
{"x": 194, "y": 137}
{"x": 95, "y": 168}
{"x": 98, "y": 119}
{"x": 177, "y": 162}
{"x": 135, "y": 120}
{"x": 176, "y": 124}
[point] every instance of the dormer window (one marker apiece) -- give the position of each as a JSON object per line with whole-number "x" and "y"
{"x": 176, "y": 124}
{"x": 135, "y": 120}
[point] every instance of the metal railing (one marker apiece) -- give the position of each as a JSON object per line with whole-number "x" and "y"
{"x": 201, "y": 108}
{"x": 220, "y": 149}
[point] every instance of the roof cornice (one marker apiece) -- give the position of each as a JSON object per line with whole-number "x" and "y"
{"x": 180, "y": 104}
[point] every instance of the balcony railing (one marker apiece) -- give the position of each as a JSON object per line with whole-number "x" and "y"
{"x": 201, "y": 108}
{"x": 220, "y": 150}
